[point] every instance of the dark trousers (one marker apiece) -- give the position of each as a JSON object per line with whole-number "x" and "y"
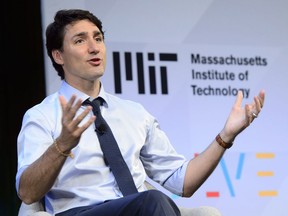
{"x": 148, "y": 203}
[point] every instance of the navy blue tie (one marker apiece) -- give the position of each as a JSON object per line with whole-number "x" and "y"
{"x": 111, "y": 151}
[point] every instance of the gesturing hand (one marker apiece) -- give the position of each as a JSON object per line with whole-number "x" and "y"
{"x": 71, "y": 129}
{"x": 241, "y": 117}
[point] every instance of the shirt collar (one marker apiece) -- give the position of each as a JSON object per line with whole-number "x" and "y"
{"x": 67, "y": 91}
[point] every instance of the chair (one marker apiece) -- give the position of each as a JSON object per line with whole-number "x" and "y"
{"x": 37, "y": 209}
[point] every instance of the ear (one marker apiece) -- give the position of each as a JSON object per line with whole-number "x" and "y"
{"x": 57, "y": 57}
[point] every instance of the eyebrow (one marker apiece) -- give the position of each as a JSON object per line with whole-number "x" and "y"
{"x": 96, "y": 33}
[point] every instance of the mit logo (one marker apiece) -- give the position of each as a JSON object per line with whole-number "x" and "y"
{"x": 141, "y": 71}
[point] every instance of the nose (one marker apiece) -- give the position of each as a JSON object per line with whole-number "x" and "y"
{"x": 93, "y": 47}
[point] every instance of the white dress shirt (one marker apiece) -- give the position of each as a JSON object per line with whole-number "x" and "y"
{"x": 86, "y": 180}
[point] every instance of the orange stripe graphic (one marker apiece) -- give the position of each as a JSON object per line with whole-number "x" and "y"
{"x": 265, "y": 173}
{"x": 267, "y": 193}
{"x": 265, "y": 155}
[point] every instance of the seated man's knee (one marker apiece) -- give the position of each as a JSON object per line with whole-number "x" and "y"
{"x": 156, "y": 194}
{"x": 159, "y": 202}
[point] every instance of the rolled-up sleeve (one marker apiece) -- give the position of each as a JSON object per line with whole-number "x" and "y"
{"x": 161, "y": 161}
{"x": 33, "y": 140}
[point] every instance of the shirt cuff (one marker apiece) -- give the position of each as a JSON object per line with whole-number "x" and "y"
{"x": 175, "y": 182}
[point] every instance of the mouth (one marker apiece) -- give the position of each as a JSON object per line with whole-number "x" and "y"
{"x": 95, "y": 61}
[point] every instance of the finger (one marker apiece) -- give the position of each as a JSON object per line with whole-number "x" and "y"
{"x": 258, "y": 105}
{"x": 74, "y": 108}
{"x": 249, "y": 115}
{"x": 71, "y": 108}
{"x": 239, "y": 99}
{"x": 87, "y": 124}
{"x": 70, "y": 102}
{"x": 75, "y": 123}
{"x": 261, "y": 97}
{"x": 80, "y": 129}
{"x": 63, "y": 102}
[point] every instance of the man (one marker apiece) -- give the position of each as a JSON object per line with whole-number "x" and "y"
{"x": 59, "y": 153}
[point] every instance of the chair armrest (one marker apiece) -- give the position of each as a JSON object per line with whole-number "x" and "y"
{"x": 34, "y": 209}
{"x": 200, "y": 211}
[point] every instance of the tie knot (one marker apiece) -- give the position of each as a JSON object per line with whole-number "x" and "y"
{"x": 96, "y": 103}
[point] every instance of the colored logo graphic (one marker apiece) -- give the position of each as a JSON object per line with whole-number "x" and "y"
{"x": 240, "y": 164}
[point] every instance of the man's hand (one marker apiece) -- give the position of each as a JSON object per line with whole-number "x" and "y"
{"x": 241, "y": 117}
{"x": 71, "y": 129}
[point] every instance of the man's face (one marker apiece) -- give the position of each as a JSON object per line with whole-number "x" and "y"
{"x": 84, "y": 52}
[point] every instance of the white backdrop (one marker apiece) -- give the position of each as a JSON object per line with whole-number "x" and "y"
{"x": 252, "y": 177}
